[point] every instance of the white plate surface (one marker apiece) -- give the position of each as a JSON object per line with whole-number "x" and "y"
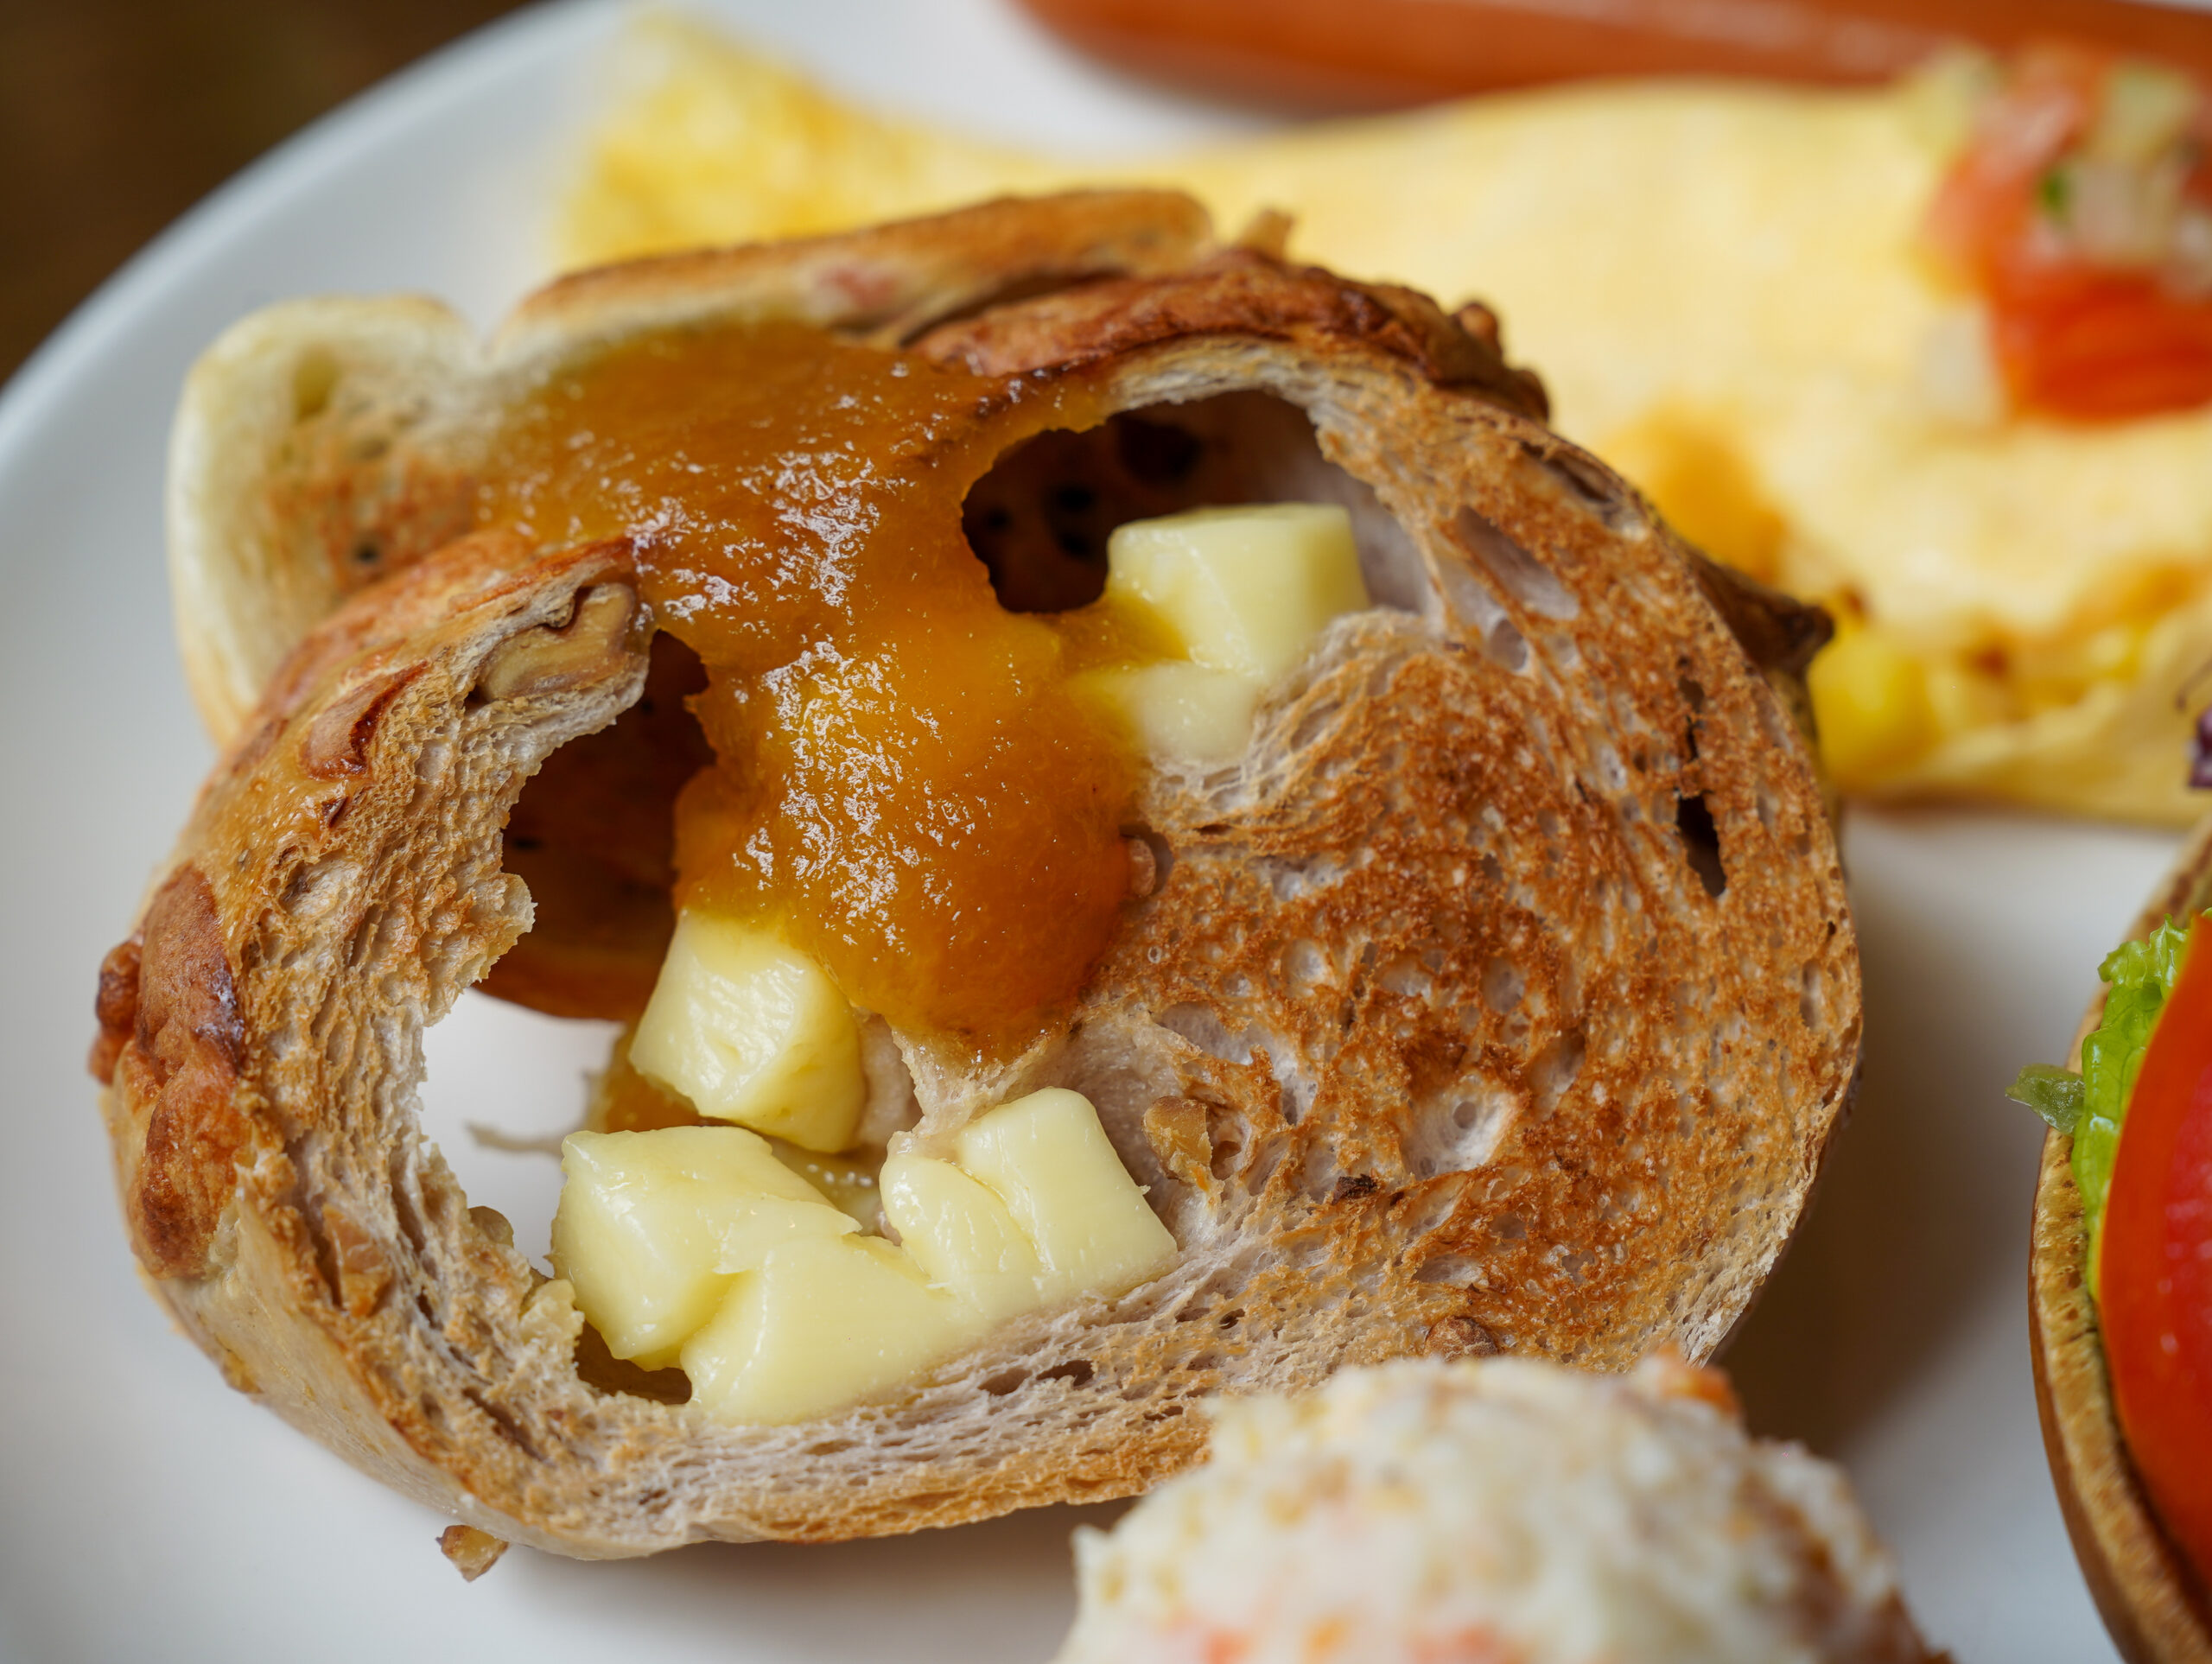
{"x": 148, "y": 1512}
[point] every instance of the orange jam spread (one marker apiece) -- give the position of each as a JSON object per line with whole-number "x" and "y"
{"x": 904, "y": 782}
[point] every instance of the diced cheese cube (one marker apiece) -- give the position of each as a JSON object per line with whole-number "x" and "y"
{"x": 1248, "y": 587}
{"x": 753, "y": 1031}
{"x": 821, "y": 1322}
{"x": 697, "y": 1244}
{"x": 1050, "y": 1161}
{"x": 652, "y": 1226}
{"x": 961, "y": 1236}
{"x": 1178, "y": 709}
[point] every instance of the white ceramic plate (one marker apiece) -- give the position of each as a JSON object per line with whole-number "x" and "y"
{"x": 148, "y": 1512}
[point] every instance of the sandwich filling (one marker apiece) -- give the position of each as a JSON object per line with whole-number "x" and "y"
{"x": 907, "y": 788}
{"x": 916, "y": 824}
{"x": 2139, "y": 1115}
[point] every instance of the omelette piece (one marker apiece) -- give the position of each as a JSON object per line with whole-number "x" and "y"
{"x": 1726, "y": 288}
{"x": 703, "y": 143}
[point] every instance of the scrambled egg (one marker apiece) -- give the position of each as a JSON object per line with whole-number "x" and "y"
{"x": 1721, "y": 285}
{"x": 704, "y": 143}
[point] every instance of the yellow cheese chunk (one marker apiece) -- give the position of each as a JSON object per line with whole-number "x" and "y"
{"x": 697, "y": 1244}
{"x": 750, "y": 1030}
{"x": 962, "y": 1237}
{"x": 652, "y": 1226}
{"x": 821, "y": 1322}
{"x": 1176, "y": 708}
{"x": 1051, "y": 1163}
{"x": 1246, "y": 589}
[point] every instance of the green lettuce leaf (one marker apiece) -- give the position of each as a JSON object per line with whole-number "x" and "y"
{"x": 2141, "y": 975}
{"x": 2053, "y": 1093}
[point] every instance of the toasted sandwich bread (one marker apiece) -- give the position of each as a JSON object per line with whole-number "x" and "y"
{"x": 1501, "y": 997}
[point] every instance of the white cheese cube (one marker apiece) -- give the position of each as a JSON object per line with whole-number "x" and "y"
{"x": 821, "y": 1322}
{"x": 1050, "y": 1161}
{"x": 1248, "y": 587}
{"x": 961, "y": 1236}
{"x": 1178, "y": 709}
{"x": 652, "y": 1226}
{"x": 753, "y": 1031}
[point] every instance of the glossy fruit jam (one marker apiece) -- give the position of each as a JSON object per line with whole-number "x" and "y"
{"x": 903, "y": 779}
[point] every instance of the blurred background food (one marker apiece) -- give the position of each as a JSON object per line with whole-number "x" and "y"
{"x": 1736, "y": 293}
{"x": 1763, "y": 302}
{"x": 1397, "y": 52}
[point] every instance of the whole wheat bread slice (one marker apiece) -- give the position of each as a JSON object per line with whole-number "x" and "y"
{"x": 1504, "y": 997}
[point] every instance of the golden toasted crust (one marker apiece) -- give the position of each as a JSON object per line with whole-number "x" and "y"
{"x": 1504, "y": 997}
{"x": 1238, "y": 291}
{"x": 2152, "y": 1604}
{"x": 886, "y": 283}
{"x": 182, "y": 1067}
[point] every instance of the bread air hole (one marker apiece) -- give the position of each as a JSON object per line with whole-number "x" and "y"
{"x": 593, "y": 836}
{"x": 1041, "y": 518}
{"x": 1701, "y": 842}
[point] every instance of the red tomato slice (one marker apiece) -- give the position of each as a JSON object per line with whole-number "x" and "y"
{"x": 2155, "y": 1273}
{"x": 2100, "y": 345}
{"x": 2074, "y": 338}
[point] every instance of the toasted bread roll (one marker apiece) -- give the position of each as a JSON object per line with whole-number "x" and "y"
{"x": 1502, "y": 997}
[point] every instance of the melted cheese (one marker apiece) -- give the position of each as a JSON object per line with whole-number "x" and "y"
{"x": 962, "y": 1236}
{"x": 1047, "y": 1158}
{"x": 1245, "y": 588}
{"x": 820, "y": 1323}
